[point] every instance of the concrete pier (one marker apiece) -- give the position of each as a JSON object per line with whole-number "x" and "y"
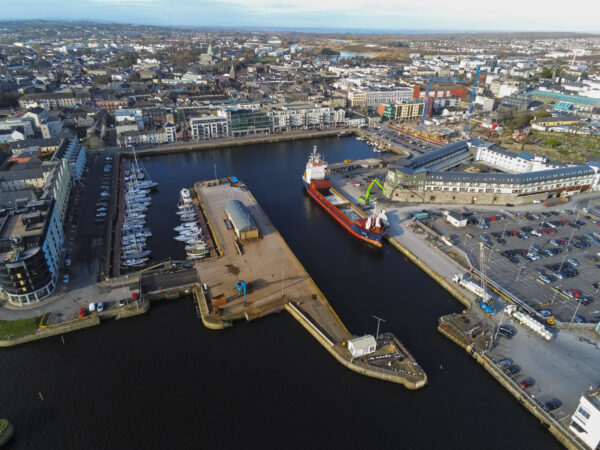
{"x": 275, "y": 281}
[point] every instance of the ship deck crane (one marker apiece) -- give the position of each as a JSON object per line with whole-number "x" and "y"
{"x": 365, "y": 200}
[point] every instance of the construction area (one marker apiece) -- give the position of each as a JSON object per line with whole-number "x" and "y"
{"x": 257, "y": 274}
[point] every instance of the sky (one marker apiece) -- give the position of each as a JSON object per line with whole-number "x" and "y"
{"x": 337, "y": 15}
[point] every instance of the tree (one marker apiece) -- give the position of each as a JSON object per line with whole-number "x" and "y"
{"x": 101, "y": 80}
{"x": 552, "y": 142}
{"x": 546, "y": 72}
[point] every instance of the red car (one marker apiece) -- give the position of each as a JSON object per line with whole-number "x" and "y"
{"x": 551, "y": 230}
{"x": 563, "y": 241}
{"x": 527, "y": 382}
{"x": 493, "y": 218}
{"x": 574, "y": 292}
{"x": 544, "y": 230}
{"x": 82, "y": 312}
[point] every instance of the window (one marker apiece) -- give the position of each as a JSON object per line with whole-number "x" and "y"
{"x": 577, "y": 427}
{"x": 583, "y": 412}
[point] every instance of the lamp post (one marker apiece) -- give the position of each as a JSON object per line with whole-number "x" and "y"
{"x": 379, "y": 320}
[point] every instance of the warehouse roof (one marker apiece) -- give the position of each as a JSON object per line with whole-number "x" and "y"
{"x": 509, "y": 178}
{"x": 567, "y": 97}
{"x": 434, "y": 155}
{"x": 240, "y": 216}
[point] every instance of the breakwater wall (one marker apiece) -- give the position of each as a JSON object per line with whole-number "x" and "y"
{"x": 339, "y": 352}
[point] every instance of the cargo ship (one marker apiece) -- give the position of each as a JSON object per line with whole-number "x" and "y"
{"x": 369, "y": 229}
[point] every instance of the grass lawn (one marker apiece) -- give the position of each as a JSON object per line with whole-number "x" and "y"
{"x": 10, "y": 328}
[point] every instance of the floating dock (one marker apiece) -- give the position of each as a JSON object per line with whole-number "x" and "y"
{"x": 275, "y": 280}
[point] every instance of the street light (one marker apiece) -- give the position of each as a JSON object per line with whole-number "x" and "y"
{"x": 574, "y": 314}
{"x": 379, "y": 320}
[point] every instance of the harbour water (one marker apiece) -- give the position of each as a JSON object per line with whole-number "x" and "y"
{"x": 164, "y": 381}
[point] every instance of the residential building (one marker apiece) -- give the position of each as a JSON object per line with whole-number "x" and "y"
{"x": 209, "y": 127}
{"x": 72, "y": 151}
{"x": 31, "y": 239}
{"x": 54, "y": 100}
{"x": 585, "y": 421}
{"x": 50, "y": 127}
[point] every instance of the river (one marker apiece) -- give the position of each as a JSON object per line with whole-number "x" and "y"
{"x": 164, "y": 381}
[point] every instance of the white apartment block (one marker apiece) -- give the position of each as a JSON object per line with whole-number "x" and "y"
{"x": 371, "y": 98}
{"x": 209, "y": 127}
{"x": 585, "y": 422}
{"x": 510, "y": 162}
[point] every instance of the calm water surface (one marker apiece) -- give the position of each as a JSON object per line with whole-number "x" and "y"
{"x": 164, "y": 381}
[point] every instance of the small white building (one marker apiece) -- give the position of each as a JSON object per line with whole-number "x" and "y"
{"x": 361, "y": 346}
{"x": 453, "y": 218}
{"x": 585, "y": 422}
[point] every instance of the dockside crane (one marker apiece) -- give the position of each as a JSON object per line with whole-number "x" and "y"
{"x": 366, "y": 199}
{"x": 473, "y": 94}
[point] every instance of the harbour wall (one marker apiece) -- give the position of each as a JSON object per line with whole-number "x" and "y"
{"x": 236, "y": 142}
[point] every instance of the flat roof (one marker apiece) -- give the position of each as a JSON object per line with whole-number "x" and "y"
{"x": 14, "y": 226}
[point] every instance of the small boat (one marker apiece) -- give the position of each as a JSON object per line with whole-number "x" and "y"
{"x": 186, "y": 197}
{"x": 187, "y": 237}
{"x": 199, "y": 246}
{"x": 194, "y": 257}
{"x": 136, "y": 254}
{"x": 135, "y": 262}
{"x": 184, "y": 211}
{"x": 187, "y": 226}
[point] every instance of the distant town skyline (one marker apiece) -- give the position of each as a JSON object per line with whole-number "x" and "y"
{"x": 334, "y": 15}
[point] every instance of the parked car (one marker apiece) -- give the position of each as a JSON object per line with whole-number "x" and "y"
{"x": 508, "y": 329}
{"x": 123, "y": 302}
{"x": 66, "y": 278}
{"x": 552, "y": 405}
{"x": 578, "y": 319}
{"x": 573, "y": 261}
{"x": 545, "y": 313}
{"x": 92, "y": 307}
{"x": 527, "y": 382}
{"x": 505, "y": 362}
{"x": 584, "y": 300}
{"x": 82, "y": 312}
{"x": 512, "y": 370}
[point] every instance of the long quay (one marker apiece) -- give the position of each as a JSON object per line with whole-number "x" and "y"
{"x": 254, "y": 277}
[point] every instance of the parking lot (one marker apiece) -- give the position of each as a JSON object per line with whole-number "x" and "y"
{"x": 547, "y": 259}
{"x": 412, "y": 143}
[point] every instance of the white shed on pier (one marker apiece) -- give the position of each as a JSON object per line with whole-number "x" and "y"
{"x": 361, "y": 346}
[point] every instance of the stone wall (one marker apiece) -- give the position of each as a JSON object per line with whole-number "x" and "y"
{"x": 466, "y": 198}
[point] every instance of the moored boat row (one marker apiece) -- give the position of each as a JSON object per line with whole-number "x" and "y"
{"x": 190, "y": 232}
{"x": 135, "y": 233}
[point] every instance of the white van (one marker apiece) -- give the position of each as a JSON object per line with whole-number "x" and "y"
{"x": 92, "y": 307}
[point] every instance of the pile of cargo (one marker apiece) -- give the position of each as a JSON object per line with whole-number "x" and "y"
{"x": 529, "y": 322}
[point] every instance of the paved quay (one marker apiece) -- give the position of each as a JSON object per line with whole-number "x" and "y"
{"x": 275, "y": 281}
{"x": 563, "y": 368}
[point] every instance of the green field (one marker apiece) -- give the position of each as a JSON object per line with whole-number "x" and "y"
{"x": 13, "y": 328}
{"x": 566, "y": 143}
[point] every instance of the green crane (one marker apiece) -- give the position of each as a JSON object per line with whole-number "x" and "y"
{"x": 366, "y": 199}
